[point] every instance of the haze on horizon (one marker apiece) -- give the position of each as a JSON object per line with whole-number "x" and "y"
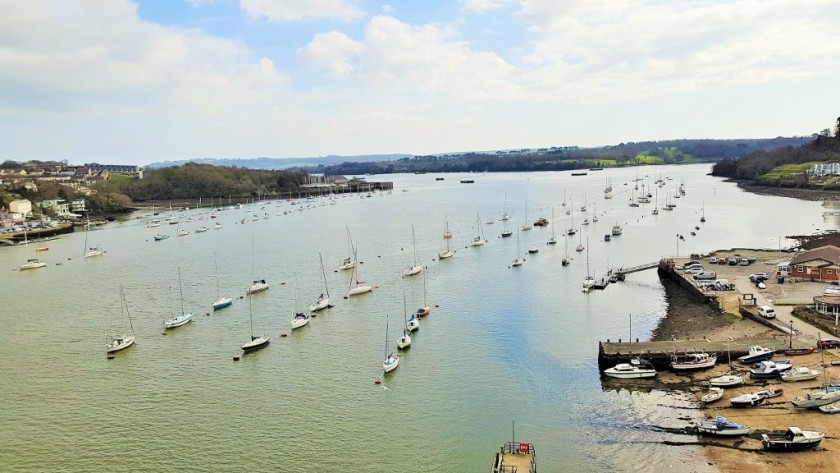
{"x": 134, "y": 82}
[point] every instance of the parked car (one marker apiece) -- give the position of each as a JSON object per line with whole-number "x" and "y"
{"x": 713, "y": 260}
{"x": 767, "y": 312}
{"x": 733, "y": 261}
{"x": 744, "y": 262}
{"x": 757, "y": 277}
{"x": 692, "y": 262}
{"x": 722, "y": 260}
{"x": 705, "y": 275}
{"x": 828, "y": 343}
{"x": 694, "y": 271}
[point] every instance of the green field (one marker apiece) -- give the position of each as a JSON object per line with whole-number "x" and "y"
{"x": 786, "y": 171}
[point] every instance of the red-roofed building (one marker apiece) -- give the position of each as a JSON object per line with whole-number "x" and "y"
{"x": 819, "y": 264}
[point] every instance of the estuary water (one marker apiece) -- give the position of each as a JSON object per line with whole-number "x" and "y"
{"x": 501, "y": 344}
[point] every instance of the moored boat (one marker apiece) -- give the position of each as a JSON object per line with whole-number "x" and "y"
{"x": 747, "y": 400}
{"x": 727, "y": 381}
{"x": 814, "y": 399}
{"x": 799, "y": 373}
{"x": 712, "y": 395}
{"x": 258, "y": 286}
{"x": 769, "y": 369}
{"x": 637, "y": 368}
{"x": 792, "y": 440}
{"x": 833, "y": 408}
{"x": 799, "y": 351}
{"x": 721, "y": 427}
{"x": 755, "y": 354}
{"x": 693, "y": 361}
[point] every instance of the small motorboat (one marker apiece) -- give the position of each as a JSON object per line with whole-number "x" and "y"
{"x": 747, "y": 400}
{"x": 799, "y": 351}
{"x": 833, "y": 408}
{"x": 637, "y": 368}
{"x": 800, "y": 373}
{"x": 693, "y": 361}
{"x": 775, "y": 391}
{"x": 769, "y": 369}
{"x": 755, "y": 354}
{"x": 722, "y": 428}
{"x": 533, "y": 249}
{"x": 792, "y": 440}
{"x": 727, "y": 381}
{"x": 712, "y": 395}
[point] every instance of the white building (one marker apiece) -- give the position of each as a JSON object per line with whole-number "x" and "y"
{"x": 21, "y": 206}
{"x": 825, "y": 169}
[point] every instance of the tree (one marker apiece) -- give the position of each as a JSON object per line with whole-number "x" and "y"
{"x": 837, "y": 129}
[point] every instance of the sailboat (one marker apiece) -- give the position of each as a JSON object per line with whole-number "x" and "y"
{"x": 479, "y": 239}
{"x": 322, "y": 302}
{"x": 415, "y": 269}
{"x": 299, "y": 319}
{"x": 392, "y": 361}
{"x": 553, "y": 239}
{"x": 180, "y": 232}
{"x": 31, "y": 263}
{"x": 350, "y": 261}
{"x": 608, "y": 189}
{"x": 580, "y": 246}
{"x": 123, "y": 341}
{"x": 595, "y": 212}
{"x": 184, "y": 317}
{"x": 404, "y": 341}
{"x": 656, "y": 205}
{"x": 447, "y": 235}
{"x": 505, "y": 215}
{"x": 356, "y": 286}
{"x": 92, "y": 251}
{"x": 221, "y": 301}
{"x": 527, "y": 225}
{"x": 425, "y": 310}
{"x": 703, "y": 211}
{"x": 519, "y": 261}
{"x": 589, "y": 280}
{"x": 259, "y": 285}
{"x": 571, "y": 230}
{"x": 255, "y": 343}
{"x": 566, "y": 260}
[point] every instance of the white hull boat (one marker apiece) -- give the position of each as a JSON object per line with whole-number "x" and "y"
{"x": 635, "y": 369}
{"x": 720, "y": 427}
{"x": 693, "y": 361}
{"x": 727, "y": 381}
{"x": 256, "y": 343}
{"x": 300, "y": 319}
{"x": 411, "y": 271}
{"x": 446, "y": 254}
{"x": 222, "y": 302}
{"x": 518, "y": 262}
{"x": 321, "y": 304}
{"x": 120, "y": 343}
{"x": 360, "y": 289}
{"x": 799, "y": 373}
{"x": 747, "y": 400}
{"x": 258, "y": 286}
{"x": 32, "y": 264}
{"x": 713, "y": 395}
{"x": 178, "y": 320}
{"x": 404, "y": 341}
{"x": 816, "y": 399}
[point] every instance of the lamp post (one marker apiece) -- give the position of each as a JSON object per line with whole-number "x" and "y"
{"x": 678, "y": 245}
{"x": 791, "y": 334}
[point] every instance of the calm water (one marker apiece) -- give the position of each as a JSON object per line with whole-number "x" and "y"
{"x": 504, "y": 344}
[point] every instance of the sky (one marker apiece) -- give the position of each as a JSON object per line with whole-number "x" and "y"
{"x": 135, "y": 82}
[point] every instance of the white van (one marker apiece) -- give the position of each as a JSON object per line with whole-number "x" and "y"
{"x": 767, "y": 312}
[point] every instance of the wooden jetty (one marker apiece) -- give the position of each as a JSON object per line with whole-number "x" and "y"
{"x": 660, "y": 353}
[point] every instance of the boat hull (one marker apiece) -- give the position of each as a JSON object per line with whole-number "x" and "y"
{"x": 412, "y": 271}
{"x": 786, "y": 446}
{"x": 714, "y": 431}
{"x": 299, "y": 322}
{"x": 257, "y": 288}
{"x": 256, "y": 343}
{"x": 222, "y": 302}
{"x": 321, "y": 304}
{"x": 123, "y": 343}
{"x": 446, "y": 254}
{"x": 391, "y": 364}
{"x": 359, "y": 290}
{"x": 630, "y": 375}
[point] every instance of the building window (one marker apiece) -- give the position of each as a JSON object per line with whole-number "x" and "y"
{"x": 800, "y": 269}
{"x": 828, "y": 271}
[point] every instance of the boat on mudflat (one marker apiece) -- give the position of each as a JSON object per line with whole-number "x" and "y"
{"x": 693, "y": 361}
{"x": 713, "y": 395}
{"x": 793, "y": 439}
{"x": 747, "y": 400}
{"x": 799, "y": 351}
{"x": 755, "y": 354}
{"x": 727, "y": 381}
{"x": 800, "y": 373}
{"x": 721, "y": 427}
{"x": 769, "y": 369}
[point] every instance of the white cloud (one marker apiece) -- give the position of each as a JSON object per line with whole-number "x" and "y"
{"x": 397, "y": 58}
{"x": 298, "y": 10}
{"x": 200, "y": 3}
{"x": 597, "y": 50}
{"x": 100, "y": 54}
{"x": 481, "y": 6}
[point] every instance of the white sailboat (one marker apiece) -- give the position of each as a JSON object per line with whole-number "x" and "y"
{"x": 571, "y": 230}
{"x": 350, "y": 261}
{"x": 519, "y": 261}
{"x": 416, "y": 268}
{"x": 404, "y": 341}
{"x": 566, "y": 260}
{"x": 505, "y": 215}
{"x": 703, "y": 211}
{"x": 356, "y": 286}
{"x": 589, "y": 280}
{"x": 392, "y": 360}
{"x": 184, "y": 317}
{"x": 553, "y": 239}
{"x": 322, "y": 302}
{"x": 299, "y": 319}
{"x": 125, "y": 340}
{"x": 425, "y": 310}
{"x": 479, "y": 239}
{"x": 580, "y": 246}
{"x": 527, "y": 225}
{"x": 221, "y": 301}
{"x": 92, "y": 251}
{"x": 259, "y": 285}
{"x": 255, "y": 343}
{"x": 31, "y": 263}
{"x": 447, "y": 235}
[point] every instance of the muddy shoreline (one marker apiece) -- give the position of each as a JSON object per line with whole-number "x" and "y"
{"x": 794, "y": 193}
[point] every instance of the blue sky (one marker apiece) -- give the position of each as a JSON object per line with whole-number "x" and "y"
{"x": 122, "y": 81}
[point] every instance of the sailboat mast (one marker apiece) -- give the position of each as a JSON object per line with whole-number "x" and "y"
{"x": 125, "y": 303}
{"x": 424, "y": 289}
{"x": 251, "y": 315}
{"x": 414, "y": 243}
{"x": 180, "y": 290}
{"x": 324, "y": 275}
{"x": 386, "y": 335}
{"x": 216, "y": 266}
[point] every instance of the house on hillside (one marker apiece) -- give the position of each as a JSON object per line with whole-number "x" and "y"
{"x": 21, "y": 206}
{"x": 819, "y": 264}
{"x": 825, "y": 169}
